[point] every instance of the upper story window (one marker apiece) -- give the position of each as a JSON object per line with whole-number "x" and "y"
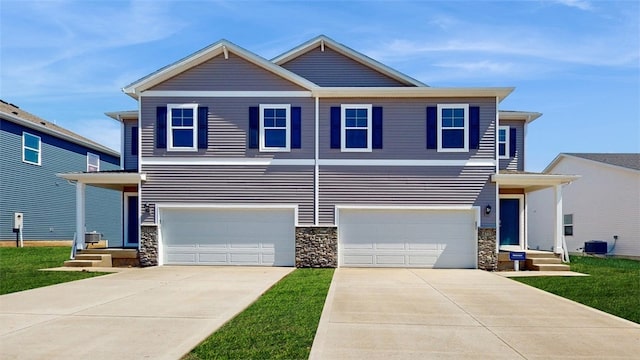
{"x": 182, "y": 127}
{"x": 31, "y": 149}
{"x": 275, "y": 127}
{"x": 453, "y": 127}
{"x": 356, "y": 128}
{"x": 503, "y": 142}
{"x": 93, "y": 162}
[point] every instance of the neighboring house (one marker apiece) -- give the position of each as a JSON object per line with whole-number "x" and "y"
{"x": 33, "y": 152}
{"x": 319, "y": 157}
{"x": 604, "y": 204}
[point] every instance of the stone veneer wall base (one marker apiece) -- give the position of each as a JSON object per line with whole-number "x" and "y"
{"x": 487, "y": 256}
{"x": 148, "y": 253}
{"x": 317, "y": 246}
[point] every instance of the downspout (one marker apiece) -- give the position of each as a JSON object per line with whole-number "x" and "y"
{"x": 316, "y": 174}
{"x": 497, "y": 171}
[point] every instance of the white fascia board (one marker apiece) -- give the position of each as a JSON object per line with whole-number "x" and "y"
{"x": 55, "y": 133}
{"x": 123, "y": 115}
{"x": 533, "y": 179}
{"x": 233, "y": 94}
{"x": 526, "y": 116}
{"x": 419, "y": 92}
{"x": 225, "y": 161}
{"x": 348, "y": 52}
{"x": 561, "y": 156}
{"x": 389, "y": 162}
{"x": 206, "y": 54}
{"x": 105, "y": 178}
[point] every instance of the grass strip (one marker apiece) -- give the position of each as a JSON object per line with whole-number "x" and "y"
{"x": 281, "y": 324}
{"x": 20, "y": 268}
{"x": 613, "y": 287}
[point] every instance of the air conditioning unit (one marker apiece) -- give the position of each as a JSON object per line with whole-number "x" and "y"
{"x": 597, "y": 247}
{"x": 92, "y": 237}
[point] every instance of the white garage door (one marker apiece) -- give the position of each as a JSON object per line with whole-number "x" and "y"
{"x": 407, "y": 238}
{"x": 207, "y": 236}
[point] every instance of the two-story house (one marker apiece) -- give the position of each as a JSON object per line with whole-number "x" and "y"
{"x": 32, "y": 151}
{"x": 321, "y": 156}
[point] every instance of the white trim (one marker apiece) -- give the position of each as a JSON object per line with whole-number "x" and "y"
{"x": 80, "y": 215}
{"x": 25, "y": 147}
{"x": 89, "y": 165}
{"x": 196, "y": 93}
{"x": 224, "y": 161}
{"x": 316, "y": 166}
{"x": 402, "y": 162}
{"x": 287, "y": 128}
{"x": 465, "y": 129}
{"x": 122, "y": 138}
{"x": 105, "y": 178}
{"x": 170, "y": 128}
{"x": 521, "y": 217}
{"x": 497, "y": 221}
{"x": 506, "y": 142}
{"x": 560, "y": 156}
{"x": 125, "y": 232}
{"x": 404, "y": 92}
{"x": 343, "y": 126}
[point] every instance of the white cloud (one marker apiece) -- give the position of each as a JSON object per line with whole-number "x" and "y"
{"x": 103, "y": 131}
{"x": 580, "y": 4}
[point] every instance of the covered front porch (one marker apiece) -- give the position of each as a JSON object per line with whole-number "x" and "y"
{"x": 128, "y": 183}
{"x": 513, "y": 188}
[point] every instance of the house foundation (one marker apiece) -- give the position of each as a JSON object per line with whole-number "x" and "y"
{"x": 487, "y": 256}
{"x": 317, "y": 247}
{"x": 148, "y": 253}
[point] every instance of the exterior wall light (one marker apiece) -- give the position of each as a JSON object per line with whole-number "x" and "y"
{"x": 487, "y": 209}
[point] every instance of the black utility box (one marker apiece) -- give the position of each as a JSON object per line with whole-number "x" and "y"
{"x": 595, "y": 247}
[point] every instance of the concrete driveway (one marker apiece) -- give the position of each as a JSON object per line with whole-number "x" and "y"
{"x": 154, "y": 313}
{"x": 461, "y": 314}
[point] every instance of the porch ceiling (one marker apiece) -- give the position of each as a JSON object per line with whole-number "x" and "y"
{"x": 106, "y": 180}
{"x": 531, "y": 181}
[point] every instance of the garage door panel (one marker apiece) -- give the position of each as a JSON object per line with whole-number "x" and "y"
{"x": 407, "y": 238}
{"x": 211, "y": 236}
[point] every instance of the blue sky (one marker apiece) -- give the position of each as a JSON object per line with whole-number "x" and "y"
{"x": 575, "y": 61}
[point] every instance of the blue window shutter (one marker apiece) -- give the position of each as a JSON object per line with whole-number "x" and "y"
{"x": 296, "y": 127}
{"x": 512, "y": 141}
{"x": 432, "y": 127}
{"x": 335, "y": 127}
{"x": 161, "y": 127}
{"x": 474, "y": 127}
{"x": 376, "y": 134}
{"x": 134, "y": 140}
{"x": 254, "y": 127}
{"x": 203, "y": 127}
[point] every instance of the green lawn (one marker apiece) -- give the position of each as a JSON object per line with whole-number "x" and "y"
{"x": 19, "y": 268}
{"x": 281, "y": 324}
{"x": 613, "y": 287}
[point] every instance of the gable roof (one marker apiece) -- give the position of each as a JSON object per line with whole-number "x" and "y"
{"x": 221, "y": 47}
{"x": 630, "y": 161}
{"x": 323, "y": 41}
{"x": 525, "y": 116}
{"x": 17, "y": 115}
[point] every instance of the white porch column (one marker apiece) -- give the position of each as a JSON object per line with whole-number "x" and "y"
{"x": 558, "y": 232}
{"x": 80, "y": 187}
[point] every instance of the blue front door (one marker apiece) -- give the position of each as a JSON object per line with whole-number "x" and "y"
{"x": 509, "y": 221}
{"x": 132, "y": 221}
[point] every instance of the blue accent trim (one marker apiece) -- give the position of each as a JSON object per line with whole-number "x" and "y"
{"x": 512, "y": 141}
{"x": 203, "y": 121}
{"x": 474, "y": 127}
{"x": 161, "y": 127}
{"x": 296, "y": 127}
{"x": 432, "y": 127}
{"x": 254, "y": 127}
{"x": 376, "y": 134}
{"x": 335, "y": 127}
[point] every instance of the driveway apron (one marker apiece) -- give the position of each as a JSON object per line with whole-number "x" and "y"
{"x": 154, "y": 313}
{"x": 461, "y": 314}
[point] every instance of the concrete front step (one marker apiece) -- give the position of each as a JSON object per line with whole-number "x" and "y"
{"x": 90, "y": 260}
{"x": 549, "y": 267}
{"x": 536, "y": 261}
{"x": 550, "y": 260}
{"x": 119, "y": 257}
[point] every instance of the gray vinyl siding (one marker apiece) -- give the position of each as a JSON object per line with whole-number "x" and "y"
{"x": 130, "y": 160}
{"x": 231, "y": 185}
{"x": 404, "y": 129}
{"x": 233, "y": 74}
{"x": 517, "y": 162}
{"x": 49, "y": 202}
{"x": 228, "y": 127}
{"x": 405, "y": 186}
{"x": 330, "y": 68}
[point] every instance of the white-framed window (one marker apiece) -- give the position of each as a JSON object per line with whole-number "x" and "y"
{"x": 275, "y": 127}
{"x": 31, "y": 149}
{"x": 182, "y": 134}
{"x": 503, "y": 142}
{"x": 93, "y": 162}
{"x": 568, "y": 224}
{"x": 453, "y": 127}
{"x": 356, "y": 128}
